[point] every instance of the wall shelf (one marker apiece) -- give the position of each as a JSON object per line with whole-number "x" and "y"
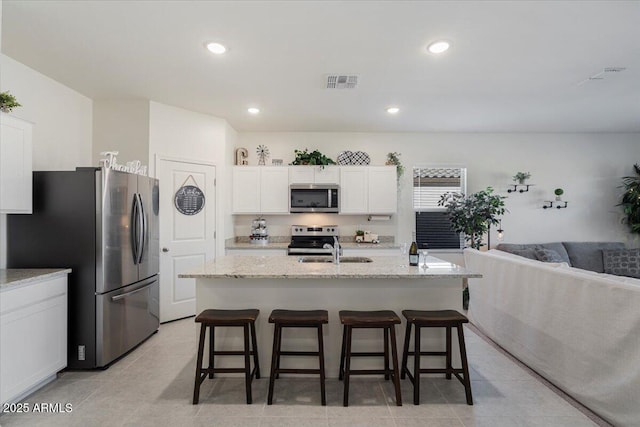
{"x": 519, "y": 188}
{"x": 548, "y": 204}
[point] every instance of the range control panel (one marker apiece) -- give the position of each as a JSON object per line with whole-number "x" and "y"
{"x": 314, "y": 230}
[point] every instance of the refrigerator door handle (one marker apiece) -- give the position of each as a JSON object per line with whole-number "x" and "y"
{"x": 134, "y": 229}
{"x": 121, "y": 296}
{"x": 140, "y": 229}
{"x": 144, "y": 229}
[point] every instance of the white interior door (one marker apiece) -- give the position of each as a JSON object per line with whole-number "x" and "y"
{"x": 187, "y": 238}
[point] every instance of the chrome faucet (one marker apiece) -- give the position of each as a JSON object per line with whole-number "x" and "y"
{"x": 335, "y": 249}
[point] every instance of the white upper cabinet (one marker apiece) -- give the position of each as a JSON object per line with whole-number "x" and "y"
{"x": 354, "y": 190}
{"x": 15, "y": 165}
{"x": 274, "y": 190}
{"x": 260, "y": 190}
{"x": 368, "y": 190}
{"x": 383, "y": 190}
{"x": 314, "y": 175}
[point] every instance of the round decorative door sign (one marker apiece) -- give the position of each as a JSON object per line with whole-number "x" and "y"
{"x": 189, "y": 200}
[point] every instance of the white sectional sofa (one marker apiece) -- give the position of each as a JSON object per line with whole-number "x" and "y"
{"x": 579, "y": 329}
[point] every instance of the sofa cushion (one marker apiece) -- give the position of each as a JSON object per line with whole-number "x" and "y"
{"x": 548, "y": 255}
{"x": 527, "y": 253}
{"x": 622, "y": 262}
{"x": 588, "y": 255}
{"x": 556, "y": 246}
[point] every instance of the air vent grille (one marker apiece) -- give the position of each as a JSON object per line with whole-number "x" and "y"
{"x": 342, "y": 81}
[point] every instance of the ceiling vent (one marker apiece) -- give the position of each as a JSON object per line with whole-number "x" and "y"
{"x": 601, "y": 75}
{"x": 342, "y": 81}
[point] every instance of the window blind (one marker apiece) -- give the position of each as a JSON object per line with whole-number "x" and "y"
{"x": 433, "y": 227}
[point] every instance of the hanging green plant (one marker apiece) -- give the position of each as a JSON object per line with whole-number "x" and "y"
{"x": 631, "y": 200}
{"x": 394, "y": 159}
{"x": 304, "y": 157}
{"x": 8, "y": 102}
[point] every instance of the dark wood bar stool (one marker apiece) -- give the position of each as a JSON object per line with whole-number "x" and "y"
{"x": 383, "y": 319}
{"x": 435, "y": 319}
{"x": 240, "y": 318}
{"x": 297, "y": 319}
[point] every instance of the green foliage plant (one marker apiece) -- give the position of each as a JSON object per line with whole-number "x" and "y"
{"x": 473, "y": 214}
{"x": 304, "y": 157}
{"x": 558, "y": 192}
{"x": 394, "y": 159}
{"x": 8, "y": 102}
{"x": 521, "y": 177}
{"x": 631, "y": 200}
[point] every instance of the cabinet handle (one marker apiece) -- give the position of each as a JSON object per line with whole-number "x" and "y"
{"x": 165, "y": 249}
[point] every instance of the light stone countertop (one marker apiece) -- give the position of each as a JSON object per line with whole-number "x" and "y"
{"x": 13, "y": 278}
{"x": 284, "y": 245}
{"x": 288, "y": 267}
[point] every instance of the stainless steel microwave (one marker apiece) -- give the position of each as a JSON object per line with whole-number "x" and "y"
{"x": 314, "y": 198}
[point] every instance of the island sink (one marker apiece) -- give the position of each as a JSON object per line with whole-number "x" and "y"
{"x": 330, "y": 259}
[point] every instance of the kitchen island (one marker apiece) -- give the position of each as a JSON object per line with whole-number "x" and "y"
{"x": 267, "y": 283}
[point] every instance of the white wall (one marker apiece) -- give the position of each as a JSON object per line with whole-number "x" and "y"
{"x": 121, "y": 125}
{"x": 587, "y": 166}
{"x": 178, "y": 133}
{"x": 62, "y": 117}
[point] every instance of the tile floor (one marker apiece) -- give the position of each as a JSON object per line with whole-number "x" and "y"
{"x": 153, "y": 385}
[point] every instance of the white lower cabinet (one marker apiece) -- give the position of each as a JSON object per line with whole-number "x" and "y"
{"x": 33, "y": 336}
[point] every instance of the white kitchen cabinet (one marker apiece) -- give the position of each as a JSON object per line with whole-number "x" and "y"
{"x": 274, "y": 190}
{"x": 368, "y": 190}
{"x": 314, "y": 175}
{"x": 354, "y": 190}
{"x": 15, "y": 165}
{"x": 33, "y": 341}
{"x": 383, "y": 190}
{"x": 260, "y": 190}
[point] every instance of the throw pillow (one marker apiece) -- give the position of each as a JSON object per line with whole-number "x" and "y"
{"x": 548, "y": 255}
{"x": 622, "y": 262}
{"x": 527, "y": 253}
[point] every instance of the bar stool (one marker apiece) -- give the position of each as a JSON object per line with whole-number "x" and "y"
{"x": 240, "y": 318}
{"x": 383, "y": 319}
{"x": 435, "y": 319}
{"x": 297, "y": 319}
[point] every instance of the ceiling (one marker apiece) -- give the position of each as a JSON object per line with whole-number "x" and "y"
{"x": 514, "y": 66}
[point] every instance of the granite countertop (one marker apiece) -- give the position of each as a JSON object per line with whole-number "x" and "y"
{"x": 282, "y": 242}
{"x": 12, "y": 278}
{"x": 288, "y": 267}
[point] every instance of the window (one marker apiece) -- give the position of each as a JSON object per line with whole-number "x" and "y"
{"x": 433, "y": 228}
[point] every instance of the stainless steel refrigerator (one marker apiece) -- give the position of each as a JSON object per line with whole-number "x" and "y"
{"x": 103, "y": 224}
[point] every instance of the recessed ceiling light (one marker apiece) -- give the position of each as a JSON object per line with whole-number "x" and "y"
{"x": 216, "y": 48}
{"x": 438, "y": 47}
{"x": 393, "y": 110}
{"x": 253, "y": 110}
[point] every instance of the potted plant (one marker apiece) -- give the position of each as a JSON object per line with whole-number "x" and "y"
{"x": 304, "y": 157}
{"x": 558, "y": 192}
{"x": 359, "y": 236}
{"x": 521, "y": 177}
{"x": 631, "y": 200}
{"x": 394, "y": 159}
{"x": 473, "y": 214}
{"x": 8, "y": 102}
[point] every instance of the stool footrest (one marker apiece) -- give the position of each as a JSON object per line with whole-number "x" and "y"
{"x": 223, "y": 370}
{"x": 440, "y": 371}
{"x": 428, "y": 353}
{"x": 297, "y": 371}
{"x": 299, "y": 353}
{"x": 371, "y": 372}
{"x": 231, "y": 353}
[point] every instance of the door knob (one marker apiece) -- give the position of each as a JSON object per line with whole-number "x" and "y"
{"x": 165, "y": 249}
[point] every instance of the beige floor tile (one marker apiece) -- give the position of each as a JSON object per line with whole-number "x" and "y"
{"x": 293, "y": 422}
{"x": 428, "y": 422}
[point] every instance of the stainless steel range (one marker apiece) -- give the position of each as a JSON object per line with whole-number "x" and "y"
{"x": 310, "y": 239}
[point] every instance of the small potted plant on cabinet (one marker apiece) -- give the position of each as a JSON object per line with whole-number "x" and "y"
{"x": 558, "y": 192}
{"x": 8, "y": 102}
